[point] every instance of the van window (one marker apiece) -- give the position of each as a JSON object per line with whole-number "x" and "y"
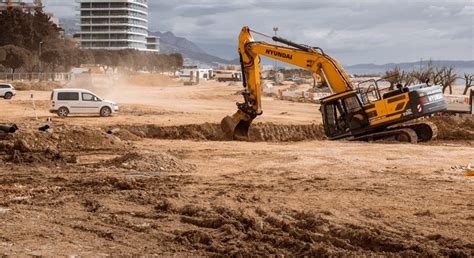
{"x": 68, "y": 96}
{"x": 88, "y": 97}
{"x": 2, "y": 86}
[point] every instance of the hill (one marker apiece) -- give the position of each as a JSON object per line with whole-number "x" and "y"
{"x": 169, "y": 43}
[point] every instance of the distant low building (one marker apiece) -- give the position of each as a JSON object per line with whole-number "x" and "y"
{"x": 193, "y": 71}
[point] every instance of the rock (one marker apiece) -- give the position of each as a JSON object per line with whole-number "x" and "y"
{"x": 4, "y": 211}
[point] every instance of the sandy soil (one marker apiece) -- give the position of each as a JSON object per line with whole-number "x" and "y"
{"x": 165, "y": 105}
{"x": 166, "y": 184}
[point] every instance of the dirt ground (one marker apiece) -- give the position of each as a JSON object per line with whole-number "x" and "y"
{"x": 167, "y": 183}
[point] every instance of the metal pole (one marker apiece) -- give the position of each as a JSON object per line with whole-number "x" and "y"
{"x": 39, "y": 57}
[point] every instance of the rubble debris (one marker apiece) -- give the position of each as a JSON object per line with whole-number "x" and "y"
{"x": 44, "y": 128}
{"x": 113, "y": 131}
{"x": 8, "y": 128}
{"x": 156, "y": 162}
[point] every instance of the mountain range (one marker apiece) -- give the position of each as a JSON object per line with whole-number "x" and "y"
{"x": 193, "y": 54}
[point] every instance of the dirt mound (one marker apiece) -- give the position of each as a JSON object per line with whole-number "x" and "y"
{"x": 454, "y": 128}
{"x": 157, "y": 162}
{"x": 286, "y": 133}
{"x": 213, "y": 132}
{"x": 69, "y": 139}
{"x": 58, "y": 144}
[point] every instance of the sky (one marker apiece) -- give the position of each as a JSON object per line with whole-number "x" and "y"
{"x": 353, "y": 31}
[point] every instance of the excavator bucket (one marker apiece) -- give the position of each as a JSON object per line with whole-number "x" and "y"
{"x": 237, "y": 127}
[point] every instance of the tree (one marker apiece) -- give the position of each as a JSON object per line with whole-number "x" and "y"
{"x": 424, "y": 75}
{"x": 53, "y": 58}
{"x": 85, "y": 57}
{"x": 436, "y": 77}
{"x": 15, "y": 57}
{"x": 407, "y": 78}
{"x": 102, "y": 58}
{"x": 397, "y": 76}
{"x": 448, "y": 78}
{"x": 27, "y": 30}
{"x": 3, "y": 55}
{"x": 469, "y": 79}
{"x": 177, "y": 61}
{"x": 393, "y": 76}
{"x": 44, "y": 30}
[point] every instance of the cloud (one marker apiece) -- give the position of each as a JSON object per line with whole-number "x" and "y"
{"x": 355, "y": 31}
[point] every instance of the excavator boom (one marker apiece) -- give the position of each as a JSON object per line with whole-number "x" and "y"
{"x": 309, "y": 58}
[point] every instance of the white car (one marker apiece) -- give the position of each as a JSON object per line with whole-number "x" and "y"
{"x": 7, "y": 91}
{"x": 79, "y": 101}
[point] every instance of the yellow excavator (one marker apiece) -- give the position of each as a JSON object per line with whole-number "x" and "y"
{"x": 350, "y": 112}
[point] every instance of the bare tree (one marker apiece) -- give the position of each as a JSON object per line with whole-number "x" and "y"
{"x": 424, "y": 75}
{"x": 469, "y": 78}
{"x": 407, "y": 78}
{"x": 393, "y": 77}
{"x": 448, "y": 78}
{"x": 437, "y": 76}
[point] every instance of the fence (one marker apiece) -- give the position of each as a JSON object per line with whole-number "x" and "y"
{"x": 36, "y": 77}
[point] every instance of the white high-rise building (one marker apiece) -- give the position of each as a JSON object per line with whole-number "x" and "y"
{"x": 114, "y": 25}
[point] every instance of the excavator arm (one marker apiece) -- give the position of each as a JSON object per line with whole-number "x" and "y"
{"x": 309, "y": 58}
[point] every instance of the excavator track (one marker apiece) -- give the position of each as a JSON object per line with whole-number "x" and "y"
{"x": 426, "y": 131}
{"x": 400, "y": 134}
{"x": 412, "y": 133}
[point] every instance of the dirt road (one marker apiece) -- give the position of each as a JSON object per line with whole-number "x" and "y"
{"x": 165, "y": 105}
{"x": 77, "y": 191}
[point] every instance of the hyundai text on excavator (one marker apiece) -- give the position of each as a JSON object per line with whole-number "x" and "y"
{"x": 350, "y": 112}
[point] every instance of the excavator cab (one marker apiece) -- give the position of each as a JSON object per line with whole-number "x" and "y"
{"x": 343, "y": 114}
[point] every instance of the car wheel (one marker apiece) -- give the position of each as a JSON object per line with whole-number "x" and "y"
{"x": 105, "y": 112}
{"x": 8, "y": 95}
{"x": 63, "y": 112}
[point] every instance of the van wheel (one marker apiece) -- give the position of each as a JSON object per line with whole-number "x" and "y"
{"x": 63, "y": 112}
{"x": 8, "y": 95}
{"x": 105, "y": 112}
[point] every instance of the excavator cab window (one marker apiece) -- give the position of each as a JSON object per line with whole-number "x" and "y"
{"x": 343, "y": 116}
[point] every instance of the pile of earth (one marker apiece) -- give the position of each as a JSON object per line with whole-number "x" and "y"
{"x": 454, "y": 128}
{"x": 58, "y": 144}
{"x": 147, "y": 162}
{"x": 213, "y": 132}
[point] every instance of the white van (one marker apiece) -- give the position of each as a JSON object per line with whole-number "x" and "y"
{"x": 80, "y": 101}
{"x": 7, "y": 91}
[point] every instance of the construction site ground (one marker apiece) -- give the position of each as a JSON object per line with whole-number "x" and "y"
{"x": 169, "y": 183}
